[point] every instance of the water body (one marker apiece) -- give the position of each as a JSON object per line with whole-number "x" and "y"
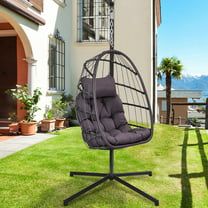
{"x": 205, "y": 94}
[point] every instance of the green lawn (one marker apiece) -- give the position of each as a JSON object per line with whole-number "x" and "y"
{"x": 38, "y": 176}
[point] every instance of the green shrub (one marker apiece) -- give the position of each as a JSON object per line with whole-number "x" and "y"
{"x": 29, "y": 101}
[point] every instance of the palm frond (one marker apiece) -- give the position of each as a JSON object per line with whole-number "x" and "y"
{"x": 170, "y": 65}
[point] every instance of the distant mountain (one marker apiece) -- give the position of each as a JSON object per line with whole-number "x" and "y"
{"x": 189, "y": 82}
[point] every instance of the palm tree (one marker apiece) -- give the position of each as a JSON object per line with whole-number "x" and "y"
{"x": 171, "y": 68}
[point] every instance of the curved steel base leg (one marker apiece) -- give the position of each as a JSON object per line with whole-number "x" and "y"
{"x": 87, "y": 174}
{"x": 88, "y": 188}
{"x": 149, "y": 173}
{"x": 156, "y": 202}
{"x": 111, "y": 176}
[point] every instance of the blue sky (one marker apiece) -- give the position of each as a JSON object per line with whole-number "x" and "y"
{"x": 184, "y": 34}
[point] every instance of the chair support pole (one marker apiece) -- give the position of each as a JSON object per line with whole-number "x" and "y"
{"x": 111, "y": 162}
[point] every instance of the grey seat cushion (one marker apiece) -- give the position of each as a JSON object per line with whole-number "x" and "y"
{"x": 112, "y": 122}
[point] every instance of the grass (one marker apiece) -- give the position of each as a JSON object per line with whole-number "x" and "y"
{"x": 37, "y": 177}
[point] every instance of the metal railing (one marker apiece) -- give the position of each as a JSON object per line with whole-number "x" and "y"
{"x": 192, "y": 104}
{"x": 173, "y": 120}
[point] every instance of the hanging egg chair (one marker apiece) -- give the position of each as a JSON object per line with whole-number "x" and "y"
{"x": 114, "y": 112}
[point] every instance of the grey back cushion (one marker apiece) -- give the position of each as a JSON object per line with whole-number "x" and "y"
{"x": 105, "y": 87}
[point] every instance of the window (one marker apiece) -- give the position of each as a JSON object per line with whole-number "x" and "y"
{"x": 93, "y": 20}
{"x": 56, "y": 62}
{"x": 37, "y": 4}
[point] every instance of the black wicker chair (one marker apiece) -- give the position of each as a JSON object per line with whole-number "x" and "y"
{"x": 114, "y": 112}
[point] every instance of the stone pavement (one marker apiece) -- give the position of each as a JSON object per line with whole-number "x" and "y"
{"x": 15, "y": 144}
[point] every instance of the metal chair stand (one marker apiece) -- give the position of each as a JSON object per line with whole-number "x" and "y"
{"x": 111, "y": 176}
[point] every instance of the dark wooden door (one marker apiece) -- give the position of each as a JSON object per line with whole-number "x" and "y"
{"x": 8, "y": 74}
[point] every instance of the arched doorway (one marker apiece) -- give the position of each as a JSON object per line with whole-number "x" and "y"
{"x": 13, "y": 65}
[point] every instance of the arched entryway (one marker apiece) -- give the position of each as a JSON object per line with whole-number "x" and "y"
{"x": 14, "y": 51}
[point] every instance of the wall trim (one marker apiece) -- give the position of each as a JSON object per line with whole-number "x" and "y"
{"x": 19, "y": 9}
{"x": 7, "y": 33}
{"x": 61, "y": 3}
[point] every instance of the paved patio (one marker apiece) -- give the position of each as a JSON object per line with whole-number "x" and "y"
{"x": 10, "y": 145}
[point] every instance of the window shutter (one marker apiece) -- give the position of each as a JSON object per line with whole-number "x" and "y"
{"x": 38, "y": 4}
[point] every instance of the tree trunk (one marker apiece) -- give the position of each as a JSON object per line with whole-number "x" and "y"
{"x": 168, "y": 96}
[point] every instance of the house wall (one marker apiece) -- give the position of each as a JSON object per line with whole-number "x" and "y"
{"x": 180, "y": 111}
{"x": 133, "y": 36}
{"x": 56, "y": 17}
{"x": 35, "y": 41}
{"x": 80, "y": 51}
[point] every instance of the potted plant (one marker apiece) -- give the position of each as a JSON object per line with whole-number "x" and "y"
{"x": 48, "y": 123}
{"x": 59, "y": 110}
{"x": 71, "y": 112}
{"x": 14, "y": 125}
{"x": 29, "y": 101}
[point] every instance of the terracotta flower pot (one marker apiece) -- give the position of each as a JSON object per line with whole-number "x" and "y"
{"x": 28, "y": 128}
{"x": 14, "y": 128}
{"x": 47, "y": 125}
{"x": 60, "y": 123}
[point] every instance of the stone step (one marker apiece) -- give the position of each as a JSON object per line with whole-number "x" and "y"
{"x": 4, "y": 130}
{"x": 4, "y": 123}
